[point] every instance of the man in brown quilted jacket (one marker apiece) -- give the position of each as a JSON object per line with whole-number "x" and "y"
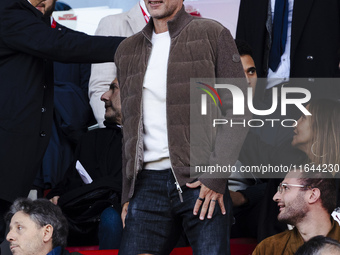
{"x": 160, "y": 197}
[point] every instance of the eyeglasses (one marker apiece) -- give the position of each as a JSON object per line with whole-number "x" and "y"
{"x": 283, "y": 186}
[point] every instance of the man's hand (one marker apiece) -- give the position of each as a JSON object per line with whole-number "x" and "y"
{"x": 208, "y": 198}
{"x": 124, "y": 212}
{"x": 237, "y": 198}
{"x": 55, "y": 199}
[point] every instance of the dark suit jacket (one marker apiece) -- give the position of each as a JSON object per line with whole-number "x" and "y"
{"x": 100, "y": 153}
{"x": 27, "y": 46}
{"x": 315, "y": 33}
{"x": 72, "y": 116}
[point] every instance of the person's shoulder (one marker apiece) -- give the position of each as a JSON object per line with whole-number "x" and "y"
{"x": 207, "y": 23}
{"x": 207, "y": 27}
{"x": 277, "y": 238}
{"x": 15, "y": 7}
{"x": 113, "y": 20}
{"x": 114, "y": 17}
{"x": 66, "y": 252}
{"x": 273, "y": 243}
{"x": 130, "y": 42}
{"x": 334, "y": 233}
{"x": 123, "y": 16}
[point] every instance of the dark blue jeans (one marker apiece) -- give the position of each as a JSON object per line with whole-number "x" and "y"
{"x": 110, "y": 229}
{"x": 156, "y": 218}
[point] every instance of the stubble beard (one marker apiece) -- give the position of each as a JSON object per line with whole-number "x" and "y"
{"x": 295, "y": 212}
{"x": 49, "y": 11}
{"x": 170, "y": 11}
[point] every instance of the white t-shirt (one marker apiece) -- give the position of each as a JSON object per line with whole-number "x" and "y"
{"x": 156, "y": 151}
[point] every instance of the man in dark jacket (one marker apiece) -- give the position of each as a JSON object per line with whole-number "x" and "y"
{"x": 36, "y": 227}
{"x": 314, "y": 37}
{"x": 27, "y": 46}
{"x": 99, "y": 153}
{"x": 295, "y": 44}
{"x": 72, "y": 113}
{"x": 308, "y": 33}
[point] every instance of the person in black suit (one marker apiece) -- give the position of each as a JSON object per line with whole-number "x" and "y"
{"x": 100, "y": 154}
{"x": 28, "y": 44}
{"x": 70, "y": 92}
{"x": 308, "y": 53}
{"x": 315, "y": 36}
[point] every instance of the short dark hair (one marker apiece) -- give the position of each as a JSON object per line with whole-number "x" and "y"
{"x": 325, "y": 182}
{"x": 243, "y": 48}
{"x": 43, "y": 212}
{"x": 316, "y": 244}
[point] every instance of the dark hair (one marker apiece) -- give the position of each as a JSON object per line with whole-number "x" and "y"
{"x": 325, "y": 182}
{"x": 243, "y": 48}
{"x": 316, "y": 244}
{"x": 43, "y": 212}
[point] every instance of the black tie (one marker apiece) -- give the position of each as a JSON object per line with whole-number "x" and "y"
{"x": 280, "y": 27}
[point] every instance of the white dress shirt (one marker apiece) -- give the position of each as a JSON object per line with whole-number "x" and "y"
{"x": 283, "y": 71}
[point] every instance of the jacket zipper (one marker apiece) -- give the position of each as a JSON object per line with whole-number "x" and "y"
{"x": 139, "y": 122}
{"x": 178, "y": 187}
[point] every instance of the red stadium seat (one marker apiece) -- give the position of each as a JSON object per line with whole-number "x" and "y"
{"x": 238, "y": 246}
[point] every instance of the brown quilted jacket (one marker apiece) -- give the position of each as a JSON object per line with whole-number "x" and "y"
{"x": 200, "y": 48}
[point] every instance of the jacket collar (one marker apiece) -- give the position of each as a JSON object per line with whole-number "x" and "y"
{"x": 56, "y": 251}
{"x": 175, "y": 26}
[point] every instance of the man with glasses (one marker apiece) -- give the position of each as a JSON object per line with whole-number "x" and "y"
{"x": 306, "y": 201}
